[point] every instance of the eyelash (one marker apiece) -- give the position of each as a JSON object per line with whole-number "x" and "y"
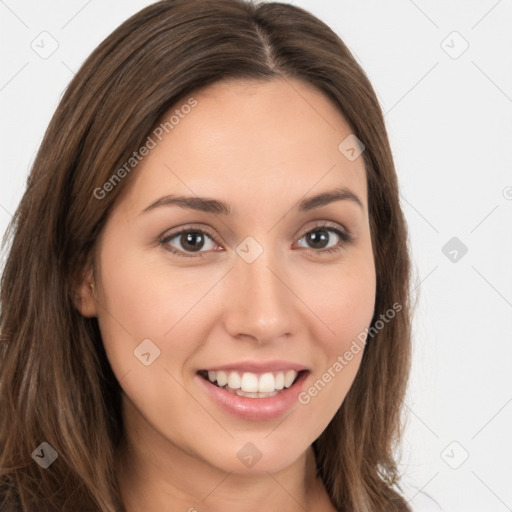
{"x": 346, "y": 238}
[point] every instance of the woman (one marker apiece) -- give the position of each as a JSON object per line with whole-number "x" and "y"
{"x": 205, "y": 302}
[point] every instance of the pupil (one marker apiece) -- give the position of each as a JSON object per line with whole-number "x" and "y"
{"x": 314, "y": 239}
{"x": 188, "y": 240}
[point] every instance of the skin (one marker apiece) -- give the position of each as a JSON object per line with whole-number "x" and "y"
{"x": 261, "y": 147}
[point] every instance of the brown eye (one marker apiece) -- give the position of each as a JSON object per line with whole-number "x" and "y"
{"x": 192, "y": 240}
{"x": 189, "y": 241}
{"x": 320, "y": 237}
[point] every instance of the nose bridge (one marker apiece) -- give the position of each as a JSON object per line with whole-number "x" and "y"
{"x": 259, "y": 305}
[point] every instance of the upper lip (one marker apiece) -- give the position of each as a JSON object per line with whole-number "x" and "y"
{"x": 259, "y": 366}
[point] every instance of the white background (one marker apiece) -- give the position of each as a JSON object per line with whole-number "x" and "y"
{"x": 450, "y": 127}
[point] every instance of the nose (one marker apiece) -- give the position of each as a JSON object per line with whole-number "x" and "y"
{"x": 260, "y": 302}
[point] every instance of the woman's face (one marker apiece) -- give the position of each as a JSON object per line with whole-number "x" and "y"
{"x": 252, "y": 296}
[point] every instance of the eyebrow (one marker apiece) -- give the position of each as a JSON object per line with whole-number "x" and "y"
{"x": 215, "y": 206}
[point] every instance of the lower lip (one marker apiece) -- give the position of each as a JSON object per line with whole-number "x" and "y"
{"x": 254, "y": 408}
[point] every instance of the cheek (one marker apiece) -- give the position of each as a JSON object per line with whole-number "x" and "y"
{"x": 139, "y": 304}
{"x": 147, "y": 298}
{"x": 346, "y": 308}
{"x": 345, "y": 303}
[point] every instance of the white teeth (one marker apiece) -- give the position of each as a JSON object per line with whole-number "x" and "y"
{"x": 234, "y": 381}
{"x": 222, "y": 378}
{"x": 266, "y": 383}
{"x": 249, "y": 384}
{"x": 239, "y": 392}
{"x": 289, "y": 378}
{"x": 279, "y": 380}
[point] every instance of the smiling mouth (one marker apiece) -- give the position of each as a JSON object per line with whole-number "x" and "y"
{"x": 252, "y": 385}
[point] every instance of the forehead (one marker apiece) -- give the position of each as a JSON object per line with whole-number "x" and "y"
{"x": 255, "y": 140}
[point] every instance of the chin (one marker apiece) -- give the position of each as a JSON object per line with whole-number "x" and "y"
{"x": 258, "y": 454}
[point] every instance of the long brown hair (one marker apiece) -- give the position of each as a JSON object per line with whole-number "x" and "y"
{"x": 56, "y": 384}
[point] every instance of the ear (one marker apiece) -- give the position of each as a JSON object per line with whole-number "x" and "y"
{"x": 85, "y": 294}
